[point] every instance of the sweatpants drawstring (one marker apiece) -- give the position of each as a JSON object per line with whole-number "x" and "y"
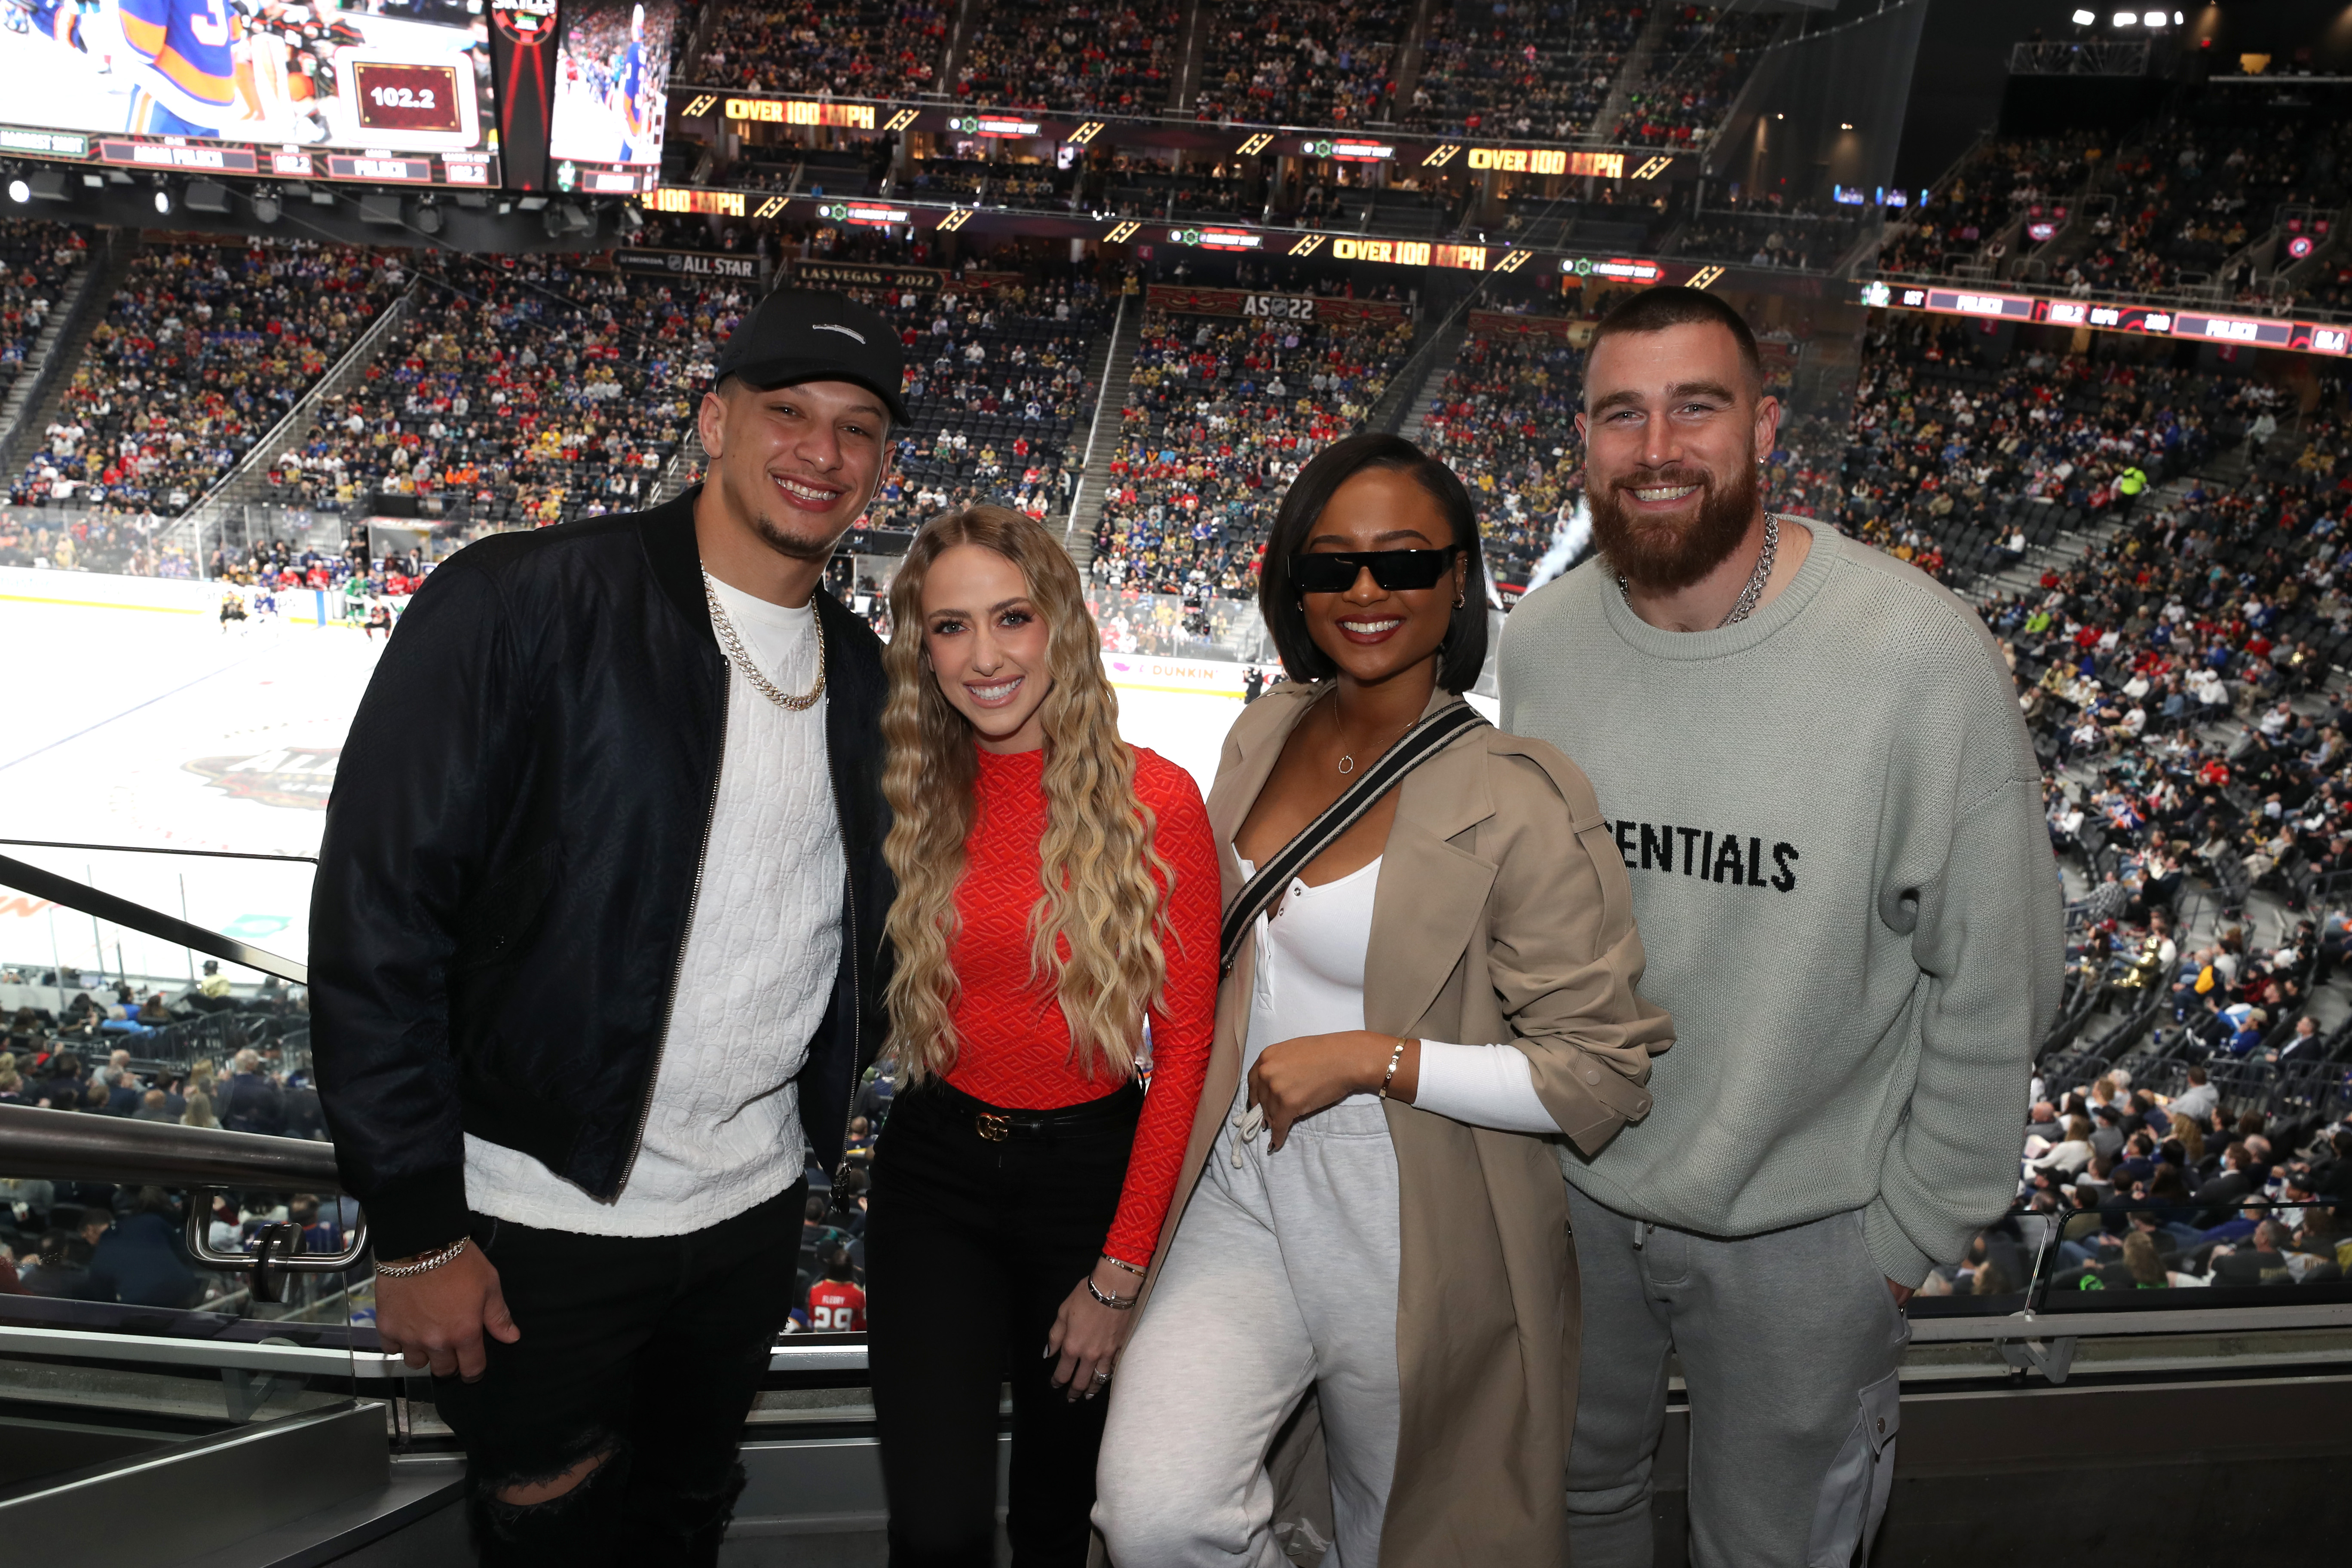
{"x": 1247, "y": 1125}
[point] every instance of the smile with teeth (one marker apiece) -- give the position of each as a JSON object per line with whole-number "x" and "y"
{"x": 806, "y": 492}
{"x": 992, "y": 695}
{"x": 1666, "y": 492}
{"x": 1373, "y": 628}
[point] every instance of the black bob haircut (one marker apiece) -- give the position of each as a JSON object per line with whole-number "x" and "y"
{"x": 1672, "y": 305}
{"x": 1463, "y": 653}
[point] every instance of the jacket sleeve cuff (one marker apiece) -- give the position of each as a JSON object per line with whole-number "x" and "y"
{"x": 416, "y": 1213}
{"x": 1897, "y": 1256}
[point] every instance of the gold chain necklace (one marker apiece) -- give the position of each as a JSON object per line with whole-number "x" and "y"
{"x": 741, "y": 656}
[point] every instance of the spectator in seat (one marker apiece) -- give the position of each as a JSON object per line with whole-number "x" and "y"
{"x": 139, "y": 1262}
{"x": 2262, "y": 1263}
{"x": 2069, "y": 1156}
{"x": 837, "y": 1302}
{"x": 2235, "y": 1181}
{"x": 60, "y": 1268}
{"x": 2197, "y": 1102}
{"x": 153, "y": 1107}
{"x": 2301, "y": 1047}
{"x": 251, "y": 1103}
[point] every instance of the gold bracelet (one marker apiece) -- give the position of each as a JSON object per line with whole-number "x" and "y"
{"x": 1389, "y": 1077}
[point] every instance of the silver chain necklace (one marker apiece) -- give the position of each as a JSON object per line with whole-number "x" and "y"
{"x": 741, "y": 656}
{"x": 1742, "y": 606}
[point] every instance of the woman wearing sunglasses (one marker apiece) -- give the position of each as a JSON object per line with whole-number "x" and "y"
{"x": 1371, "y": 1209}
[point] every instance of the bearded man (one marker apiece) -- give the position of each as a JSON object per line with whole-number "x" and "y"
{"x": 1830, "y": 810}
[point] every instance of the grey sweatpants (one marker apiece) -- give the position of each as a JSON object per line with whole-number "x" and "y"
{"x": 1282, "y": 1278}
{"x": 1789, "y": 1343}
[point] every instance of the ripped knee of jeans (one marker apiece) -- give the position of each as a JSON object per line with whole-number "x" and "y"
{"x": 598, "y": 1469}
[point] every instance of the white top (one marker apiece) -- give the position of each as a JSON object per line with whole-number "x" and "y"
{"x": 1310, "y": 980}
{"x": 764, "y": 943}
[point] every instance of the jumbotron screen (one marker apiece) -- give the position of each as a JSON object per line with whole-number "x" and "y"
{"x": 612, "y": 95}
{"x": 396, "y": 93}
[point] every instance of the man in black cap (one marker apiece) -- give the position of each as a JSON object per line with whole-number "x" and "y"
{"x": 596, "y": 956}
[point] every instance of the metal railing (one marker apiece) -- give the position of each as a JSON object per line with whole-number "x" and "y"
{"x": 61, "y": 1146}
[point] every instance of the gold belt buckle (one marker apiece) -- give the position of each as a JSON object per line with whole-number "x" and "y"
{"x": 995, "y": 1127}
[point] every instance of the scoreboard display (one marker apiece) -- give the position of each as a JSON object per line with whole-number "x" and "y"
{"x": 2155, "y": 321}
{"x": 407, "y": 97}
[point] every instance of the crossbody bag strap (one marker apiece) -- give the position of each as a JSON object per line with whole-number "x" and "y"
{"x": 1420, "y": 743}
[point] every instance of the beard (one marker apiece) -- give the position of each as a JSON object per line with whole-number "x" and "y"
{"x": 1662, "y": 557}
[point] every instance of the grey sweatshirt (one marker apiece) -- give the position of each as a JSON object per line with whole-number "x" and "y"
{"x": 1830, "y": 816}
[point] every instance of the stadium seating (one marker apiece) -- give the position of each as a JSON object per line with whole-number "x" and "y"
{"x": 1979, "y": 217}
{"x": 517, "y": 394}
{"x": 37, "y": 261}
{"x": 204, "y": 348}
{"x": 997, "y": 393}
{"x": 1063, "y": 55}
{"x": 871, "y": 49}
{"x": 1536, "y": 69}
{"x": 1696, "y": 72}
{"x": 1222, "y": 412}
{"x": 1302, "y": 62}
{"x": 1505, "y": 422}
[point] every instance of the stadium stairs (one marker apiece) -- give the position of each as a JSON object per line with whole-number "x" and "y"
{"x": 1413, "y": 53}
{"x": 249, "y": 483}
{"x": 1408, "y": 401}
{"x": 967, "y": 17}
{"x": 1191, "y": 55}
{"x": 1635, "y": 75}
{"x": 1107, "y": 370}
{"x": 684, "y": 468}
{"x": 39, "y": 394}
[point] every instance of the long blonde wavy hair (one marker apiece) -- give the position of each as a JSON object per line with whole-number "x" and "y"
{"x": 1098, "y": 897}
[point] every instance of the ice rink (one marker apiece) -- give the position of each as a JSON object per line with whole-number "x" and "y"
{"x": 144, "y": 725}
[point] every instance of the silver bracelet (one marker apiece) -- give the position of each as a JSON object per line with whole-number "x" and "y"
{"x": 1115, "y": 1303}
{"x": 1135, "y": 1269}
{"x": 424, "y": 1265}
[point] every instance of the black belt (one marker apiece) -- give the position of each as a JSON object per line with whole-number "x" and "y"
{"x": 996, "y": 1123}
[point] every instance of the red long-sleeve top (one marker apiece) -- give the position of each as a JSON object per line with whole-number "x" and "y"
{"x": 1012, "y": 1042}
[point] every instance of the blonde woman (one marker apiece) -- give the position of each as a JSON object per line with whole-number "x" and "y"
{"x": 1057, "y": 890}
{"x": 1442, "y": 1004}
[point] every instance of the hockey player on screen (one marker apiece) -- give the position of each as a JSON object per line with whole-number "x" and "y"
{"x": 628, "y": 87}
{"x": 183, "y": 62}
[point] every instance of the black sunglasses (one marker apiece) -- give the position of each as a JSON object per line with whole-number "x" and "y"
{"x": 1334, "y": 571}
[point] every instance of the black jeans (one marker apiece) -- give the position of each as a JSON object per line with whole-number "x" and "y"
{"x": 647, "y": 1351}
{"x": 972, "y": 1245}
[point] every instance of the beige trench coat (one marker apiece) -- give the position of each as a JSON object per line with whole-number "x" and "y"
{"x": 1501, "y": 914}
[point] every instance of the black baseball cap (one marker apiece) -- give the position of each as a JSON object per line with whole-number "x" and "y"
{"x": 811, "y": 335}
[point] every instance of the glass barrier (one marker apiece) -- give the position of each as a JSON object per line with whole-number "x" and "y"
{"x": 2122, "y": 1255}
{"x": 132, "y": 1034}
